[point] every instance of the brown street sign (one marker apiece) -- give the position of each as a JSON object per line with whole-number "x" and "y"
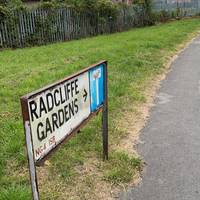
{"x": 56, "y": 112}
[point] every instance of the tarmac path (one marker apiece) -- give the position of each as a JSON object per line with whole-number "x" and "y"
{"x": 171, "y": 138}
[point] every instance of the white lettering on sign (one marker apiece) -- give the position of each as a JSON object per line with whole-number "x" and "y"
{"x": 56, "y": 112}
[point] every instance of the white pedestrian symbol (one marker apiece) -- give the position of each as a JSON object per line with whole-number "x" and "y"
{"x": 96, "y": 76}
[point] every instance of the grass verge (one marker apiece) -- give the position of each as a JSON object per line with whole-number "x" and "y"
{"x": 76, "y": 171}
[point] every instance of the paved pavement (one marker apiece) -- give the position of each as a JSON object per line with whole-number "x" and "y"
{"x": 171, "y": 138}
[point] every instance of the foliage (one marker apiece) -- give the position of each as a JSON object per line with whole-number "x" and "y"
{"x": 164, "y": 15}
{"x": 3, "y": 13}
{"x": 12, "y": 4}
{"x": 8, "y": 7}
{"x": 105, "y": 8}
{"x": 3, "y": 2}
{"x": 146, "y": 5}
{"x": 48, "y": 5}
{"x": 101, "y": 10}
{"x": 101, "y": 16}
{"x": 53, "y": 4}
{"x": 161, "y": 16}
{"x": 52, "y": 22}
{"x": 91, "y": 7}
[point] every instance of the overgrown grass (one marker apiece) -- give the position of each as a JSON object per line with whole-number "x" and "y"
{"x": 121, "y": 168}
{"x": 134, "y": 57}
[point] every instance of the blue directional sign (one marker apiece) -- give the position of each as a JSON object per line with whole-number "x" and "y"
{"x": 96, "y": 77}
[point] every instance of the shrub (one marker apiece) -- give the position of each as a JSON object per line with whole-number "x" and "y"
{"x": 94, "y": 7}
{"x": 3, "y": 13}
{"x": 3, "y": 2}
{"x": 164, "y": 16}
{"x": 107, "y": 8}
{"x": 47, "y": 5}
{"x": 148, "y": 15}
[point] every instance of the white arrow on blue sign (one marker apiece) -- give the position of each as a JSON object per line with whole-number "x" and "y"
{"x": 96, "y": 87}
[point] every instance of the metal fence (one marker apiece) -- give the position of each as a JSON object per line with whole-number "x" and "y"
{"x": 36, "y": 27}
{"x": 180, "y": 7}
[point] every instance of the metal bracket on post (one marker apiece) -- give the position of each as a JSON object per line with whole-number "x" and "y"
{"x": 105, "y": 115}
